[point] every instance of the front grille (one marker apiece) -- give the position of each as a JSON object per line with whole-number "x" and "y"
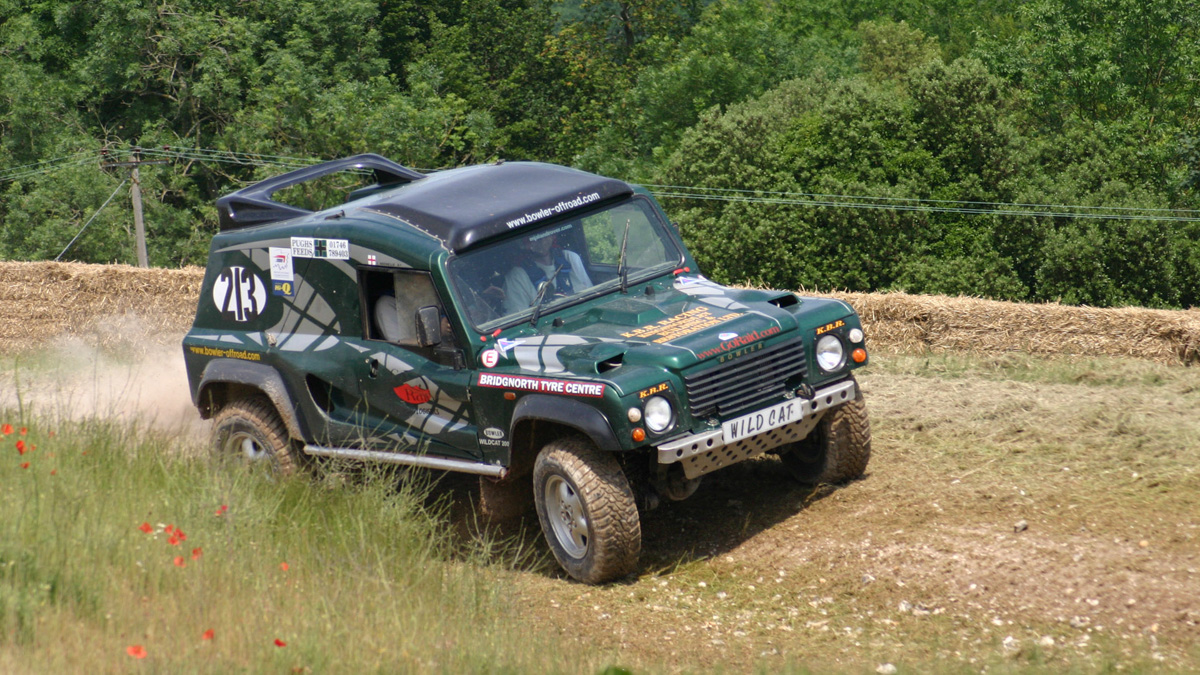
{"x": 745, "y": 381}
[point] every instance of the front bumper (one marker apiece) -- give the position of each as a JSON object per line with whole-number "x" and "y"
{"x": 707, "y": 451}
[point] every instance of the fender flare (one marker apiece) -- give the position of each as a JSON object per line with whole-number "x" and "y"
{"x": 256, "y": 376}
{"x": 579, "y": 416}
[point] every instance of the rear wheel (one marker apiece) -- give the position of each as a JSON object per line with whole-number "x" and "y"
{"x": 249, "y": 431}
{"x": 837, "y": 450}
{"x": 587, "y": 510}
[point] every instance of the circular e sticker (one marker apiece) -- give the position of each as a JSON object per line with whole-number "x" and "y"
{"x": 490, "y": 358}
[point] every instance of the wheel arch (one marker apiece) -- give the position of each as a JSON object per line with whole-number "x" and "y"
{"x": 225, "y": 380}
{"x": 538, "y": 419}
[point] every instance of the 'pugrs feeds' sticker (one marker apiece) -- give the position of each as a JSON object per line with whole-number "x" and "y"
{"x": 239, "y": 294}
{"x": 302, "y": 247}
{"x": 281, "y": 263}
{"x": 334, "y": 249}
{"x": 330, "y": 249}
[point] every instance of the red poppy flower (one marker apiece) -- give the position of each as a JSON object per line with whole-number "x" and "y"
{"x": 136, "y": 651}
{"x": 280, "y": 643}
{"x": 221, "y": 511}
{"x": 5, "y": 430}
{"x": 52, "y": 434}
{"x": 173, "y": 540}
{"x": 24, "y": 431}
{"x": 179, "y": 561}
{"x": 208, "y": 635}
{"x": 24, "y": 465}
{"x": 169, "y": 529}
{"x": 146, "y": 527}
{"x": 179, "y": 533}
{"x": 196, "y": 553}
{"x": 283, "y": 566}
{"x": 20, "y": 447}
{"x": 53, "y": 472}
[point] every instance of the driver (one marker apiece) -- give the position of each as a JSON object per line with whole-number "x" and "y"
{"x": 540, "y": 257}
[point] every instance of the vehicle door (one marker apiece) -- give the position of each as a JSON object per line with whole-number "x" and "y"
{"x": 414, "y": 392}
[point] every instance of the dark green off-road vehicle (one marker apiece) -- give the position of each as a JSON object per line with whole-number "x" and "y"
{"x": 540, "y": 326}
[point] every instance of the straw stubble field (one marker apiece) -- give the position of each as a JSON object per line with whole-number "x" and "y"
{"x": 1033, "y": 501}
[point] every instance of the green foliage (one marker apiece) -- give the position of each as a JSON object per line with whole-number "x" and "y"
{"x": 950, "y": 133}
{"x": 1086, "y": 103}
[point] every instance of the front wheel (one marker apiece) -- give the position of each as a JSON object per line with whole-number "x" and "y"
{"x": 587, "y": 510}
{"x": 250, "y": 431}
{"x": 837, "y": 450}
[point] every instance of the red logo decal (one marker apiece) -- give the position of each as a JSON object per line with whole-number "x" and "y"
{"x": 490, "y": 358}
{"x": 413, "y": 395}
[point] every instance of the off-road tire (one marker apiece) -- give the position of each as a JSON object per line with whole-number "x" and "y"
{"x": 250, "y": 430}
{"x": 606, "y": 544}
{"x": 837, "y": 450}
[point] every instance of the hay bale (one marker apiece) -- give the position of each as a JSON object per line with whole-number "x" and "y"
{"x": 915, "y": 322}
{"x": 123, "y": 307}
{"x": 113, "y": 307}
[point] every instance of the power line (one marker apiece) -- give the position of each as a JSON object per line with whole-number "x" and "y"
{"x": 928, "y": 209}
{"x": 915, "y": 200}
{"x": 730, "y": 195}
{"x": 89, "y": 221}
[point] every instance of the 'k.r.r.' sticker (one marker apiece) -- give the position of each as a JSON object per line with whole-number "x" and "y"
{"x": 239, "y": 294}
{"x": 490, "y": 358}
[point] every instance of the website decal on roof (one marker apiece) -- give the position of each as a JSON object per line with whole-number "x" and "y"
{"x": 558, "y": 208}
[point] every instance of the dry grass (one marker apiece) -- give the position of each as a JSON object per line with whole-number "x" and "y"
{"x": 921, "y": 564}
{"x": 913, "y": 323}
{"x": 118, "y": 307}
{"x": 113, "y": 307}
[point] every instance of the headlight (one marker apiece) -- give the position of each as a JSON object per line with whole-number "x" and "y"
{"x": 830, "y": 355}
{"x": 659, "y": 415}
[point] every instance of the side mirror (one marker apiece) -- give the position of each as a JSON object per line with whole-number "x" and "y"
{"x": 429, "y": 326}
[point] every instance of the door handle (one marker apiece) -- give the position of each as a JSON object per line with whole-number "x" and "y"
{"x": 373, "y": 364}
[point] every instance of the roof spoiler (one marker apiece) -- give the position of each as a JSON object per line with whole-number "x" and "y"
{"x": 252, "y": 205}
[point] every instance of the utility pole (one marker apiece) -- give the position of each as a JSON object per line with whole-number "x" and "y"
{"x": 136, "y": 192}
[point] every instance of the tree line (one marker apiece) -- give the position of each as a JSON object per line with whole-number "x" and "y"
{"x": 1042, "y": 150}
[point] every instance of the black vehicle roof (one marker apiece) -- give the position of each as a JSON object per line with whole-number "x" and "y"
{"x": 463, "y": 207}
{"x": 459, "y": 207}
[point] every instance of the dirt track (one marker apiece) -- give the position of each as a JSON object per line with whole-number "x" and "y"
{"x": 1018, "y": 512}
{"x": 973, "y": 541}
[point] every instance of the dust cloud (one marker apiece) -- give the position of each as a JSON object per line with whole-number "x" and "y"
{"x": 72, "y": 380}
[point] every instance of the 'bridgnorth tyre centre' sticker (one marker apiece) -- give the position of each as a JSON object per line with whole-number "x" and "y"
{"x": 541, "y": 384}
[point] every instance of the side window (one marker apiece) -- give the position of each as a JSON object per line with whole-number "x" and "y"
{"x": 392, "y": 300}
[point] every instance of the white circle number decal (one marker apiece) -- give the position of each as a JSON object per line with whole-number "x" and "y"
{"x": 239, "y": 295}
{"x": 490, "y": 358}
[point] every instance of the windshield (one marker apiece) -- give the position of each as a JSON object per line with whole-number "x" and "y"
{"x": 568, "y": 260}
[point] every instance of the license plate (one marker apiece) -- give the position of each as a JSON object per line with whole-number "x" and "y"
{"x": 762, "y": 420}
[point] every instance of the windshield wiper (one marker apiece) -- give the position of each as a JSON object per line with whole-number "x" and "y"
{"x": 541, "y": 294}
{"x": 622, "y": 270}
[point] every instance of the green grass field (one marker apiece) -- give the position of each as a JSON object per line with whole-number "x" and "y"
{"x": 918, "y": 565}
{"x": 338, "y": 573}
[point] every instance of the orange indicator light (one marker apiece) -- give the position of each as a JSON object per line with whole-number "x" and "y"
{"x": 639, "y": 434}
{"x": 859, "y": 355}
